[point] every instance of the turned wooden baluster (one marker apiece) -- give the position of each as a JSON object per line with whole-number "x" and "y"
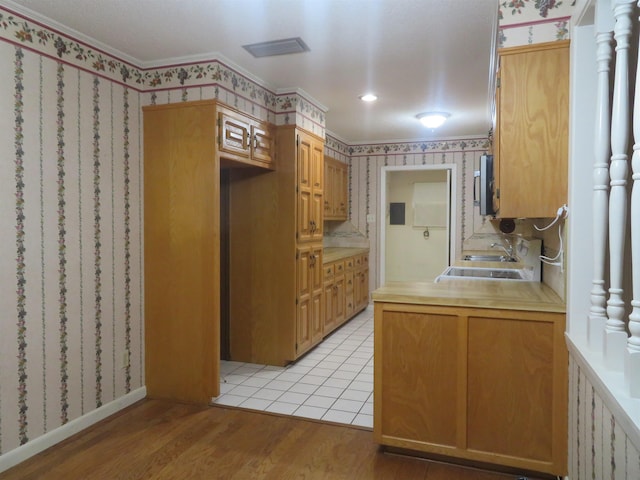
{"x": 632, "y": 360}
{"x": 615, "y": 333}
{"x": 602, "y": 152}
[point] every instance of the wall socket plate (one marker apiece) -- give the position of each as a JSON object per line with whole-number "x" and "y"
{"x": 371, "y": 218}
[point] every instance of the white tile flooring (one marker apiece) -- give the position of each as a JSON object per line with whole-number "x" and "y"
{"x": 333, "y": 382}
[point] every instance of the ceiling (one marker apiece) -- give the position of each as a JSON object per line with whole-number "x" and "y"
{"x": 416, "y": 55}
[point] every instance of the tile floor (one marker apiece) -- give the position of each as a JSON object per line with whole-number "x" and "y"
{"x": 333, "y": 382}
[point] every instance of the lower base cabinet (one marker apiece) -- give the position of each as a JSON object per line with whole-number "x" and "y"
{"x": 346, "y": 290}
{"x": 482, "y": 385}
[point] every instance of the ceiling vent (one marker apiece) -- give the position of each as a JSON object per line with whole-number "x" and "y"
{"x": 285, "y": 46}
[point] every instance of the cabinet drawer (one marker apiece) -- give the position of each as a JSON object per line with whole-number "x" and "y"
{"x": 328, "y": 270}
{"x": 338, "y": 268}
{"x": 349, "y": 263}
{"x": 364, "y": 260}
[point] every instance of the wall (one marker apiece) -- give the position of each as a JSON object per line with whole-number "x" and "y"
{"x": 71, "y": 313}
{"x": 604, "y": 421}
{"x": 71, "y": 237}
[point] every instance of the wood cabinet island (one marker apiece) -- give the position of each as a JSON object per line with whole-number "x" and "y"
{"x": 473, "y": 370}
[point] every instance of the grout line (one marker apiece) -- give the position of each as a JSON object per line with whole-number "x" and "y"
{"x": 342, "y": 343}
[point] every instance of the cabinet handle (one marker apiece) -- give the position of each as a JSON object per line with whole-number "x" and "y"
{"x": 255, "y": 142}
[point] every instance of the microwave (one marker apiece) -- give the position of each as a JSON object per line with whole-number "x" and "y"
{"x": 483, "y": 186}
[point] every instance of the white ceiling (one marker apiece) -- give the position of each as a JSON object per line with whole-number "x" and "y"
{"x": 417, "y": 55}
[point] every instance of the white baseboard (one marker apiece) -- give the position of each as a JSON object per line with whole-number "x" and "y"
{"x": 37, "y": 445}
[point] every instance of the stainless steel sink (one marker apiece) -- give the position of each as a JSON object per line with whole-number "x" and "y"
{"x": 483, "y": 274}
{"x": 489, "y": 258}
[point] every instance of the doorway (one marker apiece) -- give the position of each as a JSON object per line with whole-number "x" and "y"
{"x": 417, "y": 234}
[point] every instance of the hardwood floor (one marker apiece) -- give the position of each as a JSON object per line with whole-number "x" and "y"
{"x": 162, "y": 440}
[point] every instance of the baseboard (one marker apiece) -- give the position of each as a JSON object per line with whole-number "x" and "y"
{"x": 37, "y": 445}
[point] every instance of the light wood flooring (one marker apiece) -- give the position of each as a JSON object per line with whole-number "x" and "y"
{"x": 162, "y": 440}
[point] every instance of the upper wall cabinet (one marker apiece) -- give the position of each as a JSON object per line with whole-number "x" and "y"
{"x": 336, "y": 178}
{"x": 531, "y": 136}
{"x": 244, "y": 139}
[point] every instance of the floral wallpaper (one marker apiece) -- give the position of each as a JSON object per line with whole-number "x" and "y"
{"x": 599, "y": 447}
{"x": 523, "y": 22}
{"x": 70, "y": 201}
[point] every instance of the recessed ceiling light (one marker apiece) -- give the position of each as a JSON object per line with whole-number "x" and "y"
{"x": 368, "y": 97}
{"x": 432, "y": 119}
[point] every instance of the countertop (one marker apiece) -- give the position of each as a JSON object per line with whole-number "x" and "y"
{"x": 530, "y": 296}
{"x": 333, "y": 254}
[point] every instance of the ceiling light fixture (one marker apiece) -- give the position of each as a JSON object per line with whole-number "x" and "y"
{"x": 432, "y": 119}
{"x": 368, "y": 97}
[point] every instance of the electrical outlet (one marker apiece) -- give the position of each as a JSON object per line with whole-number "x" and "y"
{"x": 125, "y": 359}
{"x": 371, "y": 218}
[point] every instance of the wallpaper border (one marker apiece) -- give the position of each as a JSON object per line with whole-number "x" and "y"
{"x": 17, "y": 29}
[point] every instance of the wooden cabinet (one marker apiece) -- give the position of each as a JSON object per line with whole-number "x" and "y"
{"x": 349, "y": 289}
{"x": 310, "y": 185}
{"x": 336, "y": 175}
{"x": 309, "y": 301}
{"x": 276, "y": 300}
{"x": 182, "y": 253}
{"x": 361, "y": 282}
{"x": 531, "y": 134}
{"x": 346, "y": 287}
{"x": 245, "y": 139}
{"x": 482, "y": 385}
{"x": 334, "y": 295}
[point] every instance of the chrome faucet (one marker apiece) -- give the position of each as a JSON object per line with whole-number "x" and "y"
{"x": 508, "y": 250}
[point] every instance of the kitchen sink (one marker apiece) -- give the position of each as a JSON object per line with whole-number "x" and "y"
{"x": 483, "y": 274}
{"x": 489, "y": 258}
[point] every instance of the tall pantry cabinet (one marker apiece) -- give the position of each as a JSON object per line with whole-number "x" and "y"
{"x": 182, "y": 252}
{"x": 185, "y": 146}
{"x": 275, "y": 236}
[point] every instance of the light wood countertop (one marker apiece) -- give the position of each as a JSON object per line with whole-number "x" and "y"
{"x": 333, "y": 254}
{"x": 530, "y": 296}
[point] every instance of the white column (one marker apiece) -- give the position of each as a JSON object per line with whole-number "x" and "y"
{"x": 632, "y": 358}
{"x": 615, "y": 339}
{"x": 602, "y": 152}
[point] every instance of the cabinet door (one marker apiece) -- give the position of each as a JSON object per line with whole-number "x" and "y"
{"x": 317, "y": 199}
{"x": 533, "y": 130}
{"x": 339, "y": 299}
{"x": 262, "y": 143}
{"x": 329, "y": 313}
{"x": 417, "y": 378}
{"x": 305, "y": 189}
{"x": 341, "y": 191}
{"x": 235, "y": 134}
{"x": 511, "y": 387}
{"x": 317, "y": 289}
{"x": 329, "y": 194}
{"x": 304, "y": 309}
{"x": 309, "y": 298}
